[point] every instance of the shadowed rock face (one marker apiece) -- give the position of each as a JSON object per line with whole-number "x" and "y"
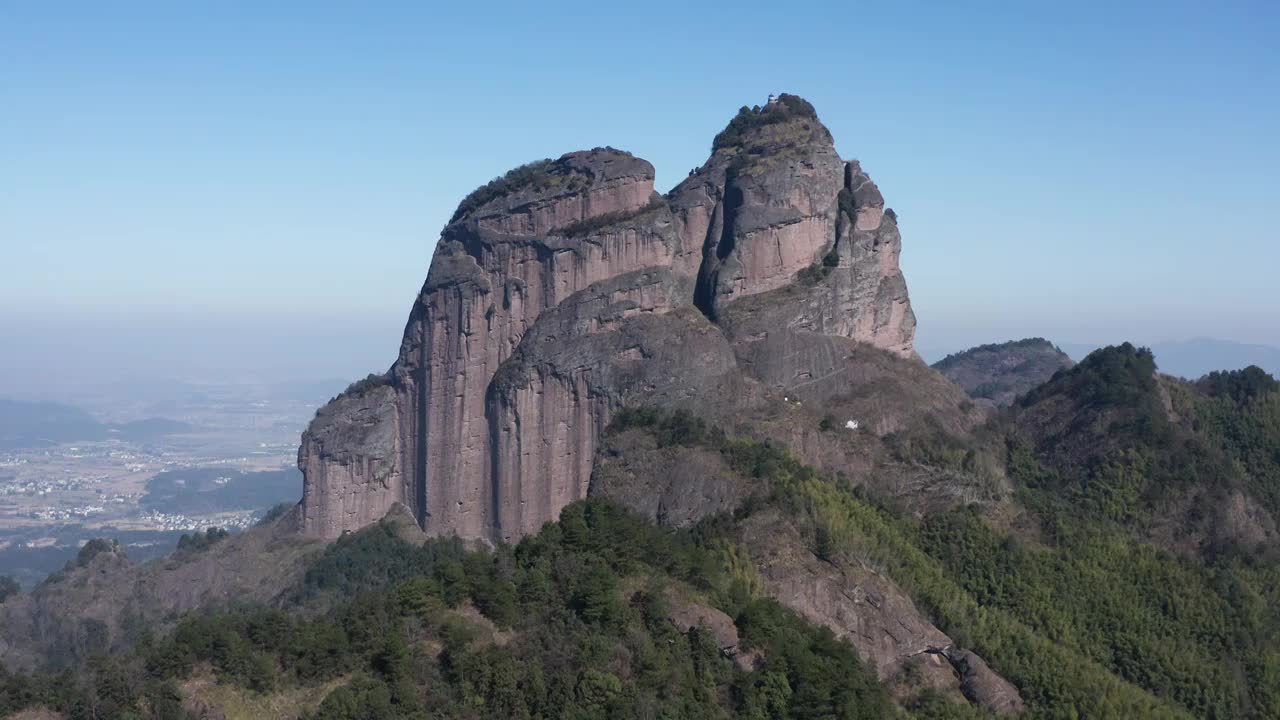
{"x": 569, "y": 289}
{"x": 780, "y": 210}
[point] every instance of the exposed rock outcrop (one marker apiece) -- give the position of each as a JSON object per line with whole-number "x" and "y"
{"x": 868, "y": 608}
{"x": 687, "y": 614}
{"x": 677, "y": 485}
{"x": 568, "y": 288}
{"x": 982, "y": 685}
{"x": 674, "y": 486}
{"x": 875, "y": 615}
{"x": 351, "y": 453}
{"x": 777, "y": 208}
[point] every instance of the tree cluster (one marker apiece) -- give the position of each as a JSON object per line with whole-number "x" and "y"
{"x": 570, "y": 623}
{"x": 785, "y": 108}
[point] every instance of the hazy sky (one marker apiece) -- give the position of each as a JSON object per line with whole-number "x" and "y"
{"x": 1084, "y": 171}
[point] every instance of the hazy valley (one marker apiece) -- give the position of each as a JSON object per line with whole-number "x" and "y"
{"x": 207, "y": 455}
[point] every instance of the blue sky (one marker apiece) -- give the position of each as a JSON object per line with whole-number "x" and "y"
{"x": 1088, "y": 172}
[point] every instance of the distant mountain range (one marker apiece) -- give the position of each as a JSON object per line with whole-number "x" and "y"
{"x": 37, "y": 424}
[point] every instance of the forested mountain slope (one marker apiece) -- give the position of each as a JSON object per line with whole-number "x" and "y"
{"x": 785, "y": 593}
{"x": 998, "y": 374}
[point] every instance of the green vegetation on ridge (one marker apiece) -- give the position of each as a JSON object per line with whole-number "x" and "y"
{"x": 539, "y": 175}
{"x": 573, "y": 623}
{"x": 1092, "y": 624}
{"x": 1078, "y": 606}
{"x": 784, "y": 108}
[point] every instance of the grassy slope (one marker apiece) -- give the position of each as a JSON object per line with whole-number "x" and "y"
{"x": 236, "y": 703}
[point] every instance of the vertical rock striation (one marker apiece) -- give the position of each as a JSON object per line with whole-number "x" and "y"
{"x": 350, "y": 455}
{"x": 569, "y": 288}
{"x": 777, "y": 209}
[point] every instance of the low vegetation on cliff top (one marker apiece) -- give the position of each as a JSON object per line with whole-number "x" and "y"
{"x": 539, "y": 175}
{"x": 367, "y": 383}
{"x": 784, "y": 108}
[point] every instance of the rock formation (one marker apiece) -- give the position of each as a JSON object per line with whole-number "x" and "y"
{"x": 569, "y": 288}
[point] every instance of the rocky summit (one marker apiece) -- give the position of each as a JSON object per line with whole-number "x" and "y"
{"x": 569, "y": 289}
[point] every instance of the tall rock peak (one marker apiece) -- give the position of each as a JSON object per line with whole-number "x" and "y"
{"x": 764, "y": 203}
{"x": 568, "y": 288}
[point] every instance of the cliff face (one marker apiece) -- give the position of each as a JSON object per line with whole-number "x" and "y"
{"x": 569, "y": 288}
{"x": 775, "y": 208}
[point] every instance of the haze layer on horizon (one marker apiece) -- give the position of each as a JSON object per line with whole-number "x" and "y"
{"x": 209, "y": 189}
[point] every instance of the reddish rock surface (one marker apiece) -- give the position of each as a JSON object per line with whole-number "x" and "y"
{"x": 570, "y": 289}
